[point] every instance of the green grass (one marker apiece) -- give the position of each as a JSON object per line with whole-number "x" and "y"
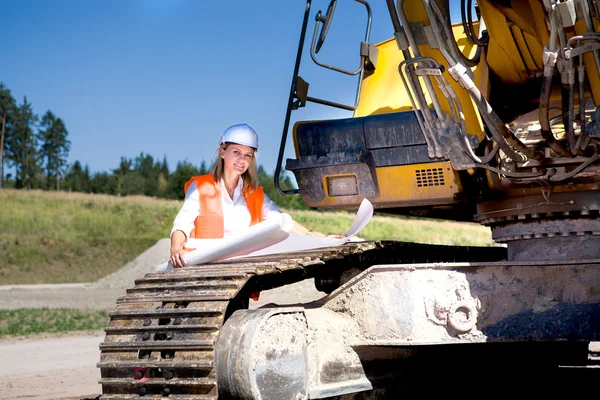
{"x": 409, "y": 229}
{"x": 57, "y": 237}
{"x": 27, "y": 321}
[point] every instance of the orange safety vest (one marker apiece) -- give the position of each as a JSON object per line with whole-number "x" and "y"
{"x": 209, "y": 222}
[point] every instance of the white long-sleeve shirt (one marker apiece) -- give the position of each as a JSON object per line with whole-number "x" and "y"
{"x": 236, "y": 216}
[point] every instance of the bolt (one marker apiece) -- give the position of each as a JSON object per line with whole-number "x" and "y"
{"x": 147, "y": 322}
{"x": 168, "y": 374}
{"x": 138, "y": 374}
{"x": 170, "y": 335}
{"x": 143, "y": 390}
{"x": 166, "y": 391}
{"x": 177, "y": 321}
{"x": 146, "y": 336}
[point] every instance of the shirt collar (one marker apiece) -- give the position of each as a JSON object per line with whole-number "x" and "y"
{"x": 238, "y": 189}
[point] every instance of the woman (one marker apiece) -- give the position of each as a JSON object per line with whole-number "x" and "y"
{"x": 226, "y": 200}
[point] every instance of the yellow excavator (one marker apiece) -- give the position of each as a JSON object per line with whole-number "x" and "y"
{"x": 493, "y": 119}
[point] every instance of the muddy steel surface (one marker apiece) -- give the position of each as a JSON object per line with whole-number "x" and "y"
{"x": 161, "y": 336}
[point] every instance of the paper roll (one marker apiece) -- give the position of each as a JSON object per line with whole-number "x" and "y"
{"x": 256, "y": 237}
{"x": 268, "y": 237}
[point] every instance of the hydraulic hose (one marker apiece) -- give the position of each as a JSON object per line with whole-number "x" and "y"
{"x": 496, "y": 126}
{"x": 467, "y": 22}
{"x": 550, "y": 57}
{"x": 417, "y": 53}
{"x": 394, "y": 15}
{"x": 581, "y": 167}
{"x": 499, "y": 131}
{"x": 581, "y": 77}
{"x": 428, "y": 126}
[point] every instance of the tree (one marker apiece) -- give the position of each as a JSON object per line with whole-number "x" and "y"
{"x": 22, "y": 146}
{"x": 149, "y": 171}
{"x": 77, "y": 179}
{"x": 184, "y": 171}
{"x": 288, "y": 202}
{"x": 7, "y": 108}
{"x": 203, "y": 169}
{"x": 119, "y": 174}
{"x": 55, "y": 146}
{"x": 103, "y": 182}
{"x": 164, "y": 167}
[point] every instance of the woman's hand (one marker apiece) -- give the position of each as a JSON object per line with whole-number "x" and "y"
{"x": 177, "y": 252}
{"x": 177, "y": 257}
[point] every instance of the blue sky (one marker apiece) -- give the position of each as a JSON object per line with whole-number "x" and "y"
{"x": 166, "y": 77}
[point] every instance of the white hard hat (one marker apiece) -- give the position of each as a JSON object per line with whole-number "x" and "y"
{"x": 240, "y": 134}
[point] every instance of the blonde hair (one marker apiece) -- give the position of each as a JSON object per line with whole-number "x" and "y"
{"x": 250, "y": 177}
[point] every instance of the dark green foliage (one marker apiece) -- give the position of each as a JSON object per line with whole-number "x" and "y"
{"x": 7, "y": 109}
{"x": 55, "y": 148}
{"x": 22, "y": 146}
{"x": 288, "y": 202}
{"x": 77, "y": 179}
{"x": 184, "y": 171}
{"x": 105, "y": 183}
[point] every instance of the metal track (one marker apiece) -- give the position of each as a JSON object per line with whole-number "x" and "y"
{"x": 161, "y": 336}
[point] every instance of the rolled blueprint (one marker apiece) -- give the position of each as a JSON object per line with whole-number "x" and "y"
{"x": 268, "y": 237}
{"x": 295, "y": 242}
{"x": 256, "y": 237}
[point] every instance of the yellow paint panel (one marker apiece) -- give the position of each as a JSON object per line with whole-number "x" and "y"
{"x": 403, "y": 186}
{"x": 384, "y": 92}
{"x": 430, "y": 183}
{"x": 590, "y": 63}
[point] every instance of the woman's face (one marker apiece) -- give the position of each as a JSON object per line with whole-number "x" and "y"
{"x": 237, "y": 158}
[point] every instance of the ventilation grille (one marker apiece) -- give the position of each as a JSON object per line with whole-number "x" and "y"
{"x": 430, "y": 177}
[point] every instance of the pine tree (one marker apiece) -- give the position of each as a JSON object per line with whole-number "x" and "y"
{"x": 55, "y": 147}
{"x": 22, "y": 146}
{"x": 7, "y": 108}
{"x": 77, "y": 179}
